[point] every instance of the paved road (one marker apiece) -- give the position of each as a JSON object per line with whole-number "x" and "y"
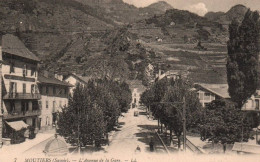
{"x": 135, "y": 131}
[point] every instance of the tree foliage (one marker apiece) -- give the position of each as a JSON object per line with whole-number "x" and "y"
{"x": 221, "y": 122}
{"x": 92, "y": 111}
{"x": 165, "y": 99}
{"x": 243, "y": 58}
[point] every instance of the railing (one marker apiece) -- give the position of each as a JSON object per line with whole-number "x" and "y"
{"x": 193, "y": 148}
{"x": 22, "y": 96}
{"x": 21, "y": 114}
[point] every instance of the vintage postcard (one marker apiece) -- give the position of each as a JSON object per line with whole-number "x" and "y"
{"x": 129, "y": 80}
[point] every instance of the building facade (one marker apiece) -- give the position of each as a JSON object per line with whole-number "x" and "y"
{"x": 19, "y": 85}
{"x": 209, "y": 92}
{"x": 135, "y": 98}
{"x": 54, "y": 96}
{"x": 75, "y": 79}
{"x": 252, "y": 103}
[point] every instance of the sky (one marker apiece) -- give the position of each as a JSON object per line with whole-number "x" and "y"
{"x": 201, "y": 7}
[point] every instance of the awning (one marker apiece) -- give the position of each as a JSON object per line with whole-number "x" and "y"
{"x": 17, "y": 125}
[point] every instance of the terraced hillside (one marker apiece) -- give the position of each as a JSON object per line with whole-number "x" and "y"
{"x": 74, "y": 37}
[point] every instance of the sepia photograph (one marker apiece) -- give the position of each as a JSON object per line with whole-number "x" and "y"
{"x": 129, "y": 80}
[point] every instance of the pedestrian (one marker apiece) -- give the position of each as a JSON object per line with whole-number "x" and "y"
{"x": 224, "y": 147}
{"x": 151, "y": 145}
{"x": 138, "y": 149}
{"x": 107, "y": 139}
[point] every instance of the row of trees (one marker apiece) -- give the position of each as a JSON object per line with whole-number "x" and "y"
{"x": 219, "y": 122}
{"x": 166, "y": 101}
{"x": 93, "y": 111}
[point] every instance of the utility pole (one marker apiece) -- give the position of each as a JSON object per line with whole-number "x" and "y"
{"x": 184, "y": 123}
{"x": 78, "y": 131}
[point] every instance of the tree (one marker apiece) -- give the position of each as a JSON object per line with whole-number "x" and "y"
{"x": 173, "y": 112}
{"x": 221, "y": 123}
{"x": 243, "y": 60}
{"x": 82, "y": 122}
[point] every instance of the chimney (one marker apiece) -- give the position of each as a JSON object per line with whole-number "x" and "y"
{"x": 1, "y": 102}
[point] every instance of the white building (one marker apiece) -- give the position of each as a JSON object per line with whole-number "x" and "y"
{"x": 20, "y": 92}
{"x": 135, "y": 98}
{"x": 252, "y": 103}
{"x": 54, "y": 96}
{"x": 75, "y": 79}
{"x": 209, "y": 92}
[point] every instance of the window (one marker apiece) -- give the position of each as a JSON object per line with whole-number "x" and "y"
{"x": 47, "y": 104}
{"x": 40, "y": 104}
{"x": 13, "y": 88}
{"x": 47, "y": 121}
{"x": 47, "y": 90}
{"x": 33, "y": 89}
{"x": 25, "y": 70}
{"x": 257, "y": 104}
{"x": 207, "y": 94}
{"x": 12, "y": 106}
{"x": 54, "y": 90}
{"x": 33, "y": 72}
{"x": 24, "y": 88}
{"x": 11, "y": 67}
{"x": 65, "y": 91}
{"x": 40, "y": 89}
{"x": 25, "y": 106}
{"x": 54, "y": 103}
{"x": 35, "y": 105}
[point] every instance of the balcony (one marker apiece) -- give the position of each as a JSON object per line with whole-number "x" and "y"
{"x": 22, "y": 96}
{"x": 21, "y": 114}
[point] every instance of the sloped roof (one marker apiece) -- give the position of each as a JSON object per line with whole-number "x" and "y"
{"x": 45, "y": 80}
{"x": 84, "y": 79}
{"x": 218, "y": 89}
{"x": 13, "y": 45}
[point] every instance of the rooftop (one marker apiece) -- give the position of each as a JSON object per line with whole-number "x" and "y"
{"x": 84, "y": 79}
{"x": 45, "y": 80}
{"x": 14, "y": 46}
{"x": 218, "y": 89}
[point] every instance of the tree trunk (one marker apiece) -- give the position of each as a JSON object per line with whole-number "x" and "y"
{"x": 170, "y": 136}
{"x": 179, "y": 142}
{"x": 158, "y": 125}
{"x": 161, "y": 128}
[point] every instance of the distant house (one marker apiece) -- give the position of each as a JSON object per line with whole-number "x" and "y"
{"x": 135, "y": 98}
{"x": 75, "y": 79}
{"x": 137, "y": 88}
{"x": 172, "y": 74}
{"x": 252, "y": 103}
{"x": 209, "y": 92}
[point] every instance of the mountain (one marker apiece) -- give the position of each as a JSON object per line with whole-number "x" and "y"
{"x": 236, "y": 12}
{"x": 176, "y": 24}
{"x": 87, "y": 37}
{"x": 157, "y": 8}
{"x": 213, "y": 16}
{"x": 123, "y": 13}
